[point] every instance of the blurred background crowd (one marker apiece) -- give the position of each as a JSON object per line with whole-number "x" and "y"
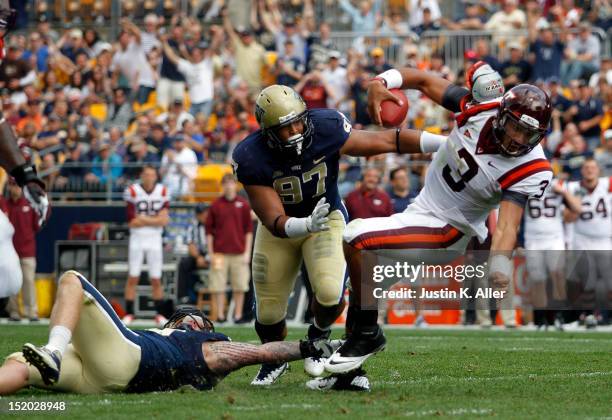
{"x": 97, "y": 88}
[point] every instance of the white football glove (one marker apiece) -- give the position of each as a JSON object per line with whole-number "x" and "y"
{"x": 38, "y": 200}
{"x": 317, "y": 221}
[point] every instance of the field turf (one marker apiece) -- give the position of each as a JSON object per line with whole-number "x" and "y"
{"x": 423, "y": 373}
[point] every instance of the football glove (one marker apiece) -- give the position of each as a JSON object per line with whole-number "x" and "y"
{"x": 317, "y": 221}
{"x": 8, "y": 17}
{"x": 33, "y": 190}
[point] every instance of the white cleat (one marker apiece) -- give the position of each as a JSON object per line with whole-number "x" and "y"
{"x": 314, "y": 366}
{"x": 351, "y": 381}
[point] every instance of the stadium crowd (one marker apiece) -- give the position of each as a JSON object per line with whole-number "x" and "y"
{"x": 179, "y": 91}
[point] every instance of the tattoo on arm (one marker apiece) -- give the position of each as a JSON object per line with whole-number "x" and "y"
{"x": 226, "y": 356}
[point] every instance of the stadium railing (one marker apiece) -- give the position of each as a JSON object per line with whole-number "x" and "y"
{"x": 451, "y": 44}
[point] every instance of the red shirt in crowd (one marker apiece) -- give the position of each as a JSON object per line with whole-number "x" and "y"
{"x": 315, "y": 96}
{"x": 25, "y": 221}
{"x": 229, "y": 222}
{"x": 362, "y": 204}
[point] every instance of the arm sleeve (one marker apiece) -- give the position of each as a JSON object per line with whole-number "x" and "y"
{"x": 534, "y": 186}
{"x": 452, "y": 97}
{"x": 130, "y": 206}
{"x": 518, "y": 198}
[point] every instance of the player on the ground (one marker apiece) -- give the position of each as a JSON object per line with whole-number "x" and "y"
{"x": 289, "y": 170}
{"x": 90, "y": 350}
{"x": 544, "y": 245}
{"x": 492, "y": 158}
{"x": 592, "y": 230}
{"x": 15, "y": 163}
{"x": 147, "y": 214}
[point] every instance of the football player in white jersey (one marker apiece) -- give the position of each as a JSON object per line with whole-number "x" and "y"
{"x": 544, "y": 235}
{"x": 491, "y": 159}
{"x": 592, "y": 230}
{"x": 14, "y": 162}
{"x": 147, "y": 213}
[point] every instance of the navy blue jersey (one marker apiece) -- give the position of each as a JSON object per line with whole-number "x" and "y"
{"x": 173, "y": 358}
{"x": 302, "y": 182}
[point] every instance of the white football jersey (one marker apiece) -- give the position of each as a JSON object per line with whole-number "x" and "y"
{"x": 141, "y": 202}
{"x": 467, "y": 176}
{"x": 544, "y": 218}
{"x": 595, "y": 219}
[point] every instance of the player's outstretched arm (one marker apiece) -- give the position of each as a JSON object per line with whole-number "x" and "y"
{"x": 223, "y": 357}
{"x": 439, "y": 90}
{"x": 370, "y": 143}
{"x": 501, "y": 266}
{"x": 10, "y": 155}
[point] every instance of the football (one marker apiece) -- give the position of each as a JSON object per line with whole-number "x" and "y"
{"x": 392, "y": 114}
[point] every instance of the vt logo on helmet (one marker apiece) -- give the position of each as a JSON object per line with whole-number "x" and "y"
{"x": 523, "y": 118}
{"x": 283, "y": 117}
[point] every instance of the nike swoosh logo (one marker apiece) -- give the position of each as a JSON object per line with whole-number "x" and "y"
{"x": 491, "y": 165}
{"x": 318, "y": 160}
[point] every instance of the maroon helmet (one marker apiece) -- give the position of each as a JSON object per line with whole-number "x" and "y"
{"x": 522, "y": 120}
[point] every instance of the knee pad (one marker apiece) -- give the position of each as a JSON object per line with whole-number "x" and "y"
{"x": 329, "y": 290}
{"x": 270, "y": 311}
{"x": 259, "y": 267}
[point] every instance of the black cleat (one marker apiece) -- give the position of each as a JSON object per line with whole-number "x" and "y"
{"x": 48, "y": 363}
{"x": 353, "y": 353}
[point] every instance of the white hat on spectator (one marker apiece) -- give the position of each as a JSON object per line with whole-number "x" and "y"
{"x": 515, "y": 45}
{"x": 101, "y": 47}
{"x": 76, "y": 33}
{"x": 608, "y": 134}
{"x": 74, "y": 95}
{"x": 150, "y": 18}
{"x": 542, "y": 23}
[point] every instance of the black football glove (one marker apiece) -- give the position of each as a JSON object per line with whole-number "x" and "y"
{"x": 8, "y": 17}
{"x": 33, "y": 190}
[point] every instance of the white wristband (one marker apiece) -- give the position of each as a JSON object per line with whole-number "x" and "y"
{"x": 502, "y": 264}
{"x": 393, "y": 78}
{"x": 296, "y": 227}
{"x": 431, "y": 142}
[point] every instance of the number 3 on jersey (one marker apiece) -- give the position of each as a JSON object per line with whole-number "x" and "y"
{"x": 463, "y": 158}
{"x": 289, "y": 188}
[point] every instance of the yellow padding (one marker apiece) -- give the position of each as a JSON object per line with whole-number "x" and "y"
{"x": 45, "y": 295}
{"x": 208, "y": 181}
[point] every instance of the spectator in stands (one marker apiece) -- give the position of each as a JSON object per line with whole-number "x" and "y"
{"x": 335, "y": 76}
{"x": 129, "y": 59}
{"x": 198, "y": 72}
{"x": 218, "y": 147}
{"x": 34, "y": 116}
{"x": 428, "y": 23}
{"x": 509, "y": 19}
{"x": 587, "y": 113}
{"x": 379, "y": 63}
{"x": 179, "y": 167}
{"x": 320, "y": 46}
{"x": 604, "y": 156}
{"x": 369, "y": 200}
{"x": 15, "y": 73}
{"x": 365, "y": 18}
{"x": 516, "y": 69}
{"x": 149, "y": 35}
{"x": 71, "y": 44}
{"x": 159, "y": 139}
{"x": 229, "y": 229}
{"x": 315, "y": 91}
{"x": 604, "y": 73}
{"x": 119, "y": 113}
{"x": 359, "y": 80}
{"x": 26, "y": 224}
{"x": 289, "y": 67}
{"x": 417, "y": 11}
{"x": 583, "y": 53}
{"x": 73, "y": 170}
{"x": 557, "y": 99}
{"x": 107, "y": 167}
{"x": 573, "y": 152}
{"x": 290, "y": 32}
{"x": 250, "y": 55}
{"x": 473, "y": 18}
{"x": 171, "y": 85}
{"x": 546, "y": 54}
{"x": 37, "y": 53}
{"x": 399, "y": 192}
{"x": 197, "y": 259}
{"x": 483, "y": 53}
{"x": 193, "y": 138}
{"x": 139, "y": 155}
{"x": 226, "y": 84}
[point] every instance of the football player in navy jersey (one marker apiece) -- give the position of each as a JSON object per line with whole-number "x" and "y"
{"x": 289, "y": 169}
{"x": 90, "y": 351}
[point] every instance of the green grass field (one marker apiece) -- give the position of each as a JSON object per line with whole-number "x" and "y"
{"x": 423, "y": 373}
